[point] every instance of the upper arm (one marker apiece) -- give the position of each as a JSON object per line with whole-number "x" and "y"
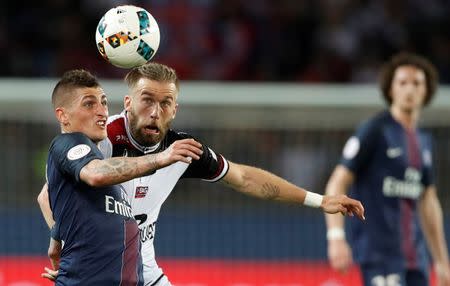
{"x": 72, "y": 152}
{"x": 210, "y": 167}
{"x": 44, "y": 205}
{"x": 359, "y": 147}
{"x": 340, "y": 181}
{"x": 235, "y": 175}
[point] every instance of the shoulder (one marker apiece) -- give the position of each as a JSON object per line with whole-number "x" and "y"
{"x": 117, "y": 133}
{"x": 376, "y": 121}
{"x": 173, "y": 136}
{"x": 72, "y": 145}
{"x": 69, "y": 138}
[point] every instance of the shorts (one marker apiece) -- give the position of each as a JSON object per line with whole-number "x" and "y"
{"x": 383, "y": 275}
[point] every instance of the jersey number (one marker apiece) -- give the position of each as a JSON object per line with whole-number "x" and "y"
{"x": 388, "y": 280}
{"x": 140, "y": 218}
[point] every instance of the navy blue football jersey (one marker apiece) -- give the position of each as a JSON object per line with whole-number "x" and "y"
{"x": 392, "y": 168}
{"x": 100, "y": 237}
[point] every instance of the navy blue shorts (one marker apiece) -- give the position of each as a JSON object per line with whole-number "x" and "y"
{"x": 384, "y": 275}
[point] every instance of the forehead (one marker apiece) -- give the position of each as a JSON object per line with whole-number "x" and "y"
{"x": 155, "y": 88}
{"x": 84, "y": 92}
{"x": 409, "y": 72}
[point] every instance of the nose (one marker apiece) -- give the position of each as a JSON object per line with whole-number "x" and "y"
{"x": 102, "y": 110}
{"x": 155, "y": 111}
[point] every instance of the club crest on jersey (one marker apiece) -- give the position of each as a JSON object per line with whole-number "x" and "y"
{"x": 141, "y": 191}
{"x": 78, "y": 152}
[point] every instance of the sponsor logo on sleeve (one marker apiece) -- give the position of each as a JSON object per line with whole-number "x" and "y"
{"x": 141, "y": 191}
{"x": 351, "y": 148}
{"x": 78, "y": 152}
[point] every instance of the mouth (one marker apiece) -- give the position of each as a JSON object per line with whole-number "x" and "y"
{"x": 101, "y": 123}
{"x": 151, "y": 129}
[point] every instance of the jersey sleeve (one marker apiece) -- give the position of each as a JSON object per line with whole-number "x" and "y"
{"x": 71, "y": 152}
{"x": 210, "y": 167}
{"x": 360, "y": 146}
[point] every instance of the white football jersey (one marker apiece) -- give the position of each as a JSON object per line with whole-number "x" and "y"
{"x": 147, "y": 194}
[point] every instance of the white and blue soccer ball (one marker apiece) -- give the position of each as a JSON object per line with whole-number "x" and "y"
{"x": 127, "y": 36}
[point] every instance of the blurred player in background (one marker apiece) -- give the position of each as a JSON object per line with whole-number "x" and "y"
{"x": 387, "y": 164}
{"x": 93, "y": 216}
{"x": 144, "y": 128}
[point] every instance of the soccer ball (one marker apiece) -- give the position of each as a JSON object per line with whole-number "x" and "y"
{"x": 127, "y": 36}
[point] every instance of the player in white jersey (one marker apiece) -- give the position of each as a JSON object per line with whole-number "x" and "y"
{"x": 144, "y": 128}
{"x": 147, "y": 194}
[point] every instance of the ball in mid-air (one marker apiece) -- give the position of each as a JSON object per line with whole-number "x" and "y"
{"x": 127, "y": 36}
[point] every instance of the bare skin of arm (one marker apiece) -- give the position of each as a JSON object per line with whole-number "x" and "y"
{"x": 98, "y": 173}
{"x": 339, "y": 251}
{"x": 45, "y": 206}
{"x": 265, "y": 185}
{"x": 430, "y": 213}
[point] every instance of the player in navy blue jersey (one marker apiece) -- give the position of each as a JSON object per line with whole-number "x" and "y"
{"x": 387, "y": 164}
{"x": 144, "y": 128}
{"x": 92, "y": 216}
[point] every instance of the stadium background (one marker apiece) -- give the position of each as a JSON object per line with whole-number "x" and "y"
{"x": 276, "y": 84}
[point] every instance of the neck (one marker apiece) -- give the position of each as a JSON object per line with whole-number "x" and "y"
{"x": 407, "y": 118}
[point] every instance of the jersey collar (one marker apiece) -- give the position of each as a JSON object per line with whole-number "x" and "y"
{"x": 143, "y": 149}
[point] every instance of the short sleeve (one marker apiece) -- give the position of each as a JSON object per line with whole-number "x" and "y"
{"x": 360, "y": 146}
{"x": 210, "y": 167}
{"x": 71, "y": 152}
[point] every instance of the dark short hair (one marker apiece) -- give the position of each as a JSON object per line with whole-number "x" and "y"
{"x": 408, "y": 59}
{"x": 72, "y": 79}
{"x": 153, "y": 71}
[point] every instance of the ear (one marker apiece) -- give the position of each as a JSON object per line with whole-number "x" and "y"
{"x": 62, "y": 116}
{"x": 127, "y": 102}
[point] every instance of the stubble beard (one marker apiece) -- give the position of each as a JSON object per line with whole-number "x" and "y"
{"x": 143, "y": 139}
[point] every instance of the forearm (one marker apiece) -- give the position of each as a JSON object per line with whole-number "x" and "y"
{"x": 118, "y": 170}
{"x": 44, "y": 205}
{"x": 262, "y": 184}
{"x": 432, "y": 224}
{"x": 338, "y": 184}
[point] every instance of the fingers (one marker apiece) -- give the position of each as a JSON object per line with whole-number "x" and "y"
{"x": 354, "y": 207}
{"x": 186, "y": 150}
{"x": 49, "y": 274}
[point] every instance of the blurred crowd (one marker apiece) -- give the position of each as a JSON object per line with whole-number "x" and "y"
{"x": 245, "y": 40}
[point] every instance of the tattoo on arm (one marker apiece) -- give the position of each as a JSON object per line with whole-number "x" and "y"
{"x": 123, "y": 169}
{"x": 116, "y": 167}
{"x": 270, "y": 191}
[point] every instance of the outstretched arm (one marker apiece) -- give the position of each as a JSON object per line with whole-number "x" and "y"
{"x": 339, "y": 251}
{"x": 430, "y": 212}
{"x": 117, "y": 170}
{"x": 265, "y": 185}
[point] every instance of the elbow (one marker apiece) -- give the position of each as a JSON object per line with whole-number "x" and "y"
{"x": 95, "y": 180}
{"x": 40, "y": 199}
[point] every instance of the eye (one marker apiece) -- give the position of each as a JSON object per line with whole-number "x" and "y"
{"x": 104, "y": 102}
{"x": 166, "y": 104}
{"x": 88, "y": 104}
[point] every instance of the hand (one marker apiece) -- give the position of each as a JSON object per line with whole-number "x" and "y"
{"x": 181, "y": 150}
{"x": 344, "y": 205}
{"x": 54, "y": 253}
{"x": 339, "y": 254}
{"x": 49, "y": 274}
{"x": 442, "y": 274}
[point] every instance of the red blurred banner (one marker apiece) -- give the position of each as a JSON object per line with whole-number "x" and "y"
{"x": 26, "y": 270}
